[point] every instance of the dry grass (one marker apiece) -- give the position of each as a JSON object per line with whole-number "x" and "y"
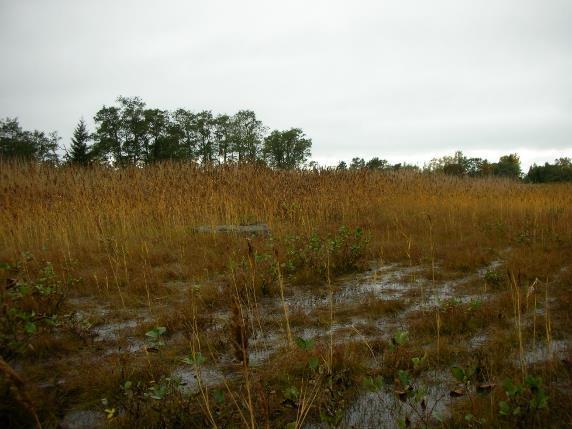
{"x": 128, "y": 236}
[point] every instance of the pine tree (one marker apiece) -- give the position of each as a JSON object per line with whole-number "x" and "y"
{"x": 80, "y": 153}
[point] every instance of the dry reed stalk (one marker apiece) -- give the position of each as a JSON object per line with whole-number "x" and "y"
{"x": 236, "y": 404}
{"x": 364, "y": 339}
{"x": 516, "y": 300}
{"x": 438, "y": 321}
{"x": 145, "y": 271}
{"x": 547, "y": 323}
{"x": 242, "y": 325}
{"x": 432, "y": 244}
{"x": 252, "y": 270}
{"x": 203, "y": 388}
{"x": 305, "y": 403}
{"x": 283, "y": 301}
{"x": 531, "y": 292}
{"x": 331, "y": 296}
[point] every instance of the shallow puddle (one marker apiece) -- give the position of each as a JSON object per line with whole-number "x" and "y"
{"x": 388, "y": 283}
{"x": 383, "y": 408}
{"x": 83, "y": 419}
{"x": 193, "y": 379}
{"x": 558, "y": 349}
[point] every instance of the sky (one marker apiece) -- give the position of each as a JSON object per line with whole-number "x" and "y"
{"x": 402, "y": 80}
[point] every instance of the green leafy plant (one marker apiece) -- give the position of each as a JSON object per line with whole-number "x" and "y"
{"x": 341, "y": 251}
{"x": 524, "y": 401}
{"x": 414, "y": 395}
{"x": 158, "y": 391}
{"x": 155, "y": 336}
{"x": 418, "y": 362}
{"x": 313, "y": 362}
{"x": 373, "y": 384}
{"x": 291, "y": 394}
{"x": 305, "y": 344}
{"x": 468, "y": 384}
{"x": 475, "y": 304}
{"x": 463, "y": 375}
{"x": 399, "y": 339}
{"x": 195, "y": 358}
{"x": 218, "y": 396}
{"x": 30, "y": 302}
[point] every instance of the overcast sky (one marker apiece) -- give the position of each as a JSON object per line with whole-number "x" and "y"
{"x": 403, "y": 80}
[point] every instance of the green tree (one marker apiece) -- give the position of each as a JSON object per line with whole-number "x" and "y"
{"x": 222, "y": 138}
{"x": 204, "y": 127}
{"x": 13, "y": 141}
{"x": 121, "y": 134}
{"x": 560, "y": 171}
{"x": 16, "y": 143}
{"x": 160, "y": 136}
{"x": 508, "y": 166}
{"x": 377, "y": 164}
{"x": 80, "y": 152}
{"x": 475, "y": 167}
{"x": 357, "y": 163}
{"x": 287, "y": 149}
{"x": 184, "y": 130}
{"x": 246, "y": 135}
{"x": 455, "y": 165}
{"x": 109, "y": 136}
{"x": 134, "y": 129}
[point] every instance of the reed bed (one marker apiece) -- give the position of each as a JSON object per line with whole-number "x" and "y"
{"x": 128, "y": 239}
{"x": 58, "y": 212}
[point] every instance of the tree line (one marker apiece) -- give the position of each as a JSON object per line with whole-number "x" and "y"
{"x": 455, "y": 165}
{"x": 130, "y": 133}
{"x": 458, "y": 164}
{"x": 560, "y": 171}
{"x": 16, "y": 143}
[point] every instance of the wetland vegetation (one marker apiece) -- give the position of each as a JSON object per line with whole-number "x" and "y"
{"x": 369, "y": 298}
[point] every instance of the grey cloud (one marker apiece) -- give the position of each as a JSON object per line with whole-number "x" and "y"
{"x": 404, "y": 79}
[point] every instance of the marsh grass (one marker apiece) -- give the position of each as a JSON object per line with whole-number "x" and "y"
{"x": 128, "y": 236}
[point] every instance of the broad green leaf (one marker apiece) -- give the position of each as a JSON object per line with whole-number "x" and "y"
{"x": 458, "y": 373}
{"x": 533, "y": 382}
{"x": 373, "y": 384}
{"x": 195, "y": 359}
{"x": 305, "y": 344}
{"x": 404, "y": 378}
{"x": 156, "y": 332}
{"x": 401, "y": 337}
{"x": 504, "y": 408}
{"x": 30, "y": 328}
{"x": 510, "y": 388}
{"x": 313, "y": 362}
{"x": 218, "y": 396}
{"x": 158, "y": 392}
{"x": 291, "y": 393}
{"x": 418, "y": 361}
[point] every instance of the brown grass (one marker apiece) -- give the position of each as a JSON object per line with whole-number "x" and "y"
{"x": 128, "y": 235}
